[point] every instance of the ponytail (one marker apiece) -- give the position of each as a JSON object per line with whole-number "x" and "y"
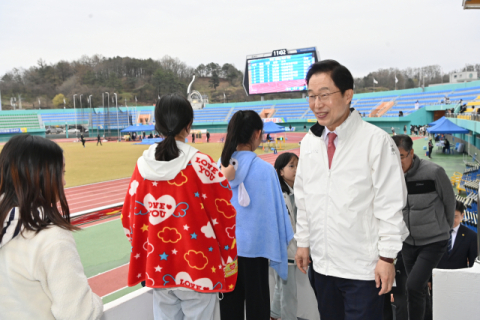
{"x": 240, "y": 130}
{"x": 173, "y": 113}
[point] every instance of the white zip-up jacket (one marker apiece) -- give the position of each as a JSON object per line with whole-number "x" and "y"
{"x": 351, "y": 214}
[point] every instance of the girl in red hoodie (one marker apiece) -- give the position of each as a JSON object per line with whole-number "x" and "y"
{"x": 178, "y": 217}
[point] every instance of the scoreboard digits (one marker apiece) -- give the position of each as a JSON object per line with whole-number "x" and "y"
{"x": 282, "y": 71}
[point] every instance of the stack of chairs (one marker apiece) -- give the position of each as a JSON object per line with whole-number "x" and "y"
{"x": 470, "y": 174}
{"x": 471, "y": 199}
{"x": 470, "y": 214}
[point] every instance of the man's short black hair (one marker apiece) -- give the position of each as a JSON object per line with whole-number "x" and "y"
{"x": 459, "y": 206}
{"x": 340, "y": 75}
{"x": 403, "y": 141}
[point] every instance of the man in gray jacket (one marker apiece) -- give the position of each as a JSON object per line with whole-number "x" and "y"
{"x": 429, "y": 215}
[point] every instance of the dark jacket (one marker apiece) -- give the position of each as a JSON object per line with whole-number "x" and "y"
{"x": 430, "y": 203}
{"x": 464, "y": 247}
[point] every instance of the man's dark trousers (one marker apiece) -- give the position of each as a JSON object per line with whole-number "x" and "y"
{"x": 419, "y": 262}
{"x": 346, "y": 299}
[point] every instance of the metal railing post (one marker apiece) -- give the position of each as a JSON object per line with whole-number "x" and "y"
{"x": 478, "y": 234}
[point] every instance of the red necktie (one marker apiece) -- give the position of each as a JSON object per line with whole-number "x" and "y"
{"x": 331, "y": 147}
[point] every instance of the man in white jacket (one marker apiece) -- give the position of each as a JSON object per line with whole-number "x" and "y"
{"x": 350, "y": 192}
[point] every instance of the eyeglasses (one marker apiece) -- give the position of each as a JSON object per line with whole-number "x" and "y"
{"x": 322, "y": 97}
{"x": 404, "y": 157}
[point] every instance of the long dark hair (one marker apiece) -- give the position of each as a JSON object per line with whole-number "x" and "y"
{"x": 31, "y": 178}
{"x": 281, "y": 163}
{"x": 240, "y": 131}
{"x": 173, "y": 113}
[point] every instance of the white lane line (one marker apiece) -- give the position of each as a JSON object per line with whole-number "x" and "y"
{"x": 96, "y": 209}
{"x": 123, "y": 265}
{"x": 96, "y": 183}
{"x": 96, "y": 199}
{"x": 97, "y": 224}
{"x": 113, "y": 292}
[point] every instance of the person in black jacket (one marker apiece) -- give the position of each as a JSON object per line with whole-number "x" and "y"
{"x": 462, "y": 249}
{"x": 430, "y": 148}
{"x": 429, "y": 216}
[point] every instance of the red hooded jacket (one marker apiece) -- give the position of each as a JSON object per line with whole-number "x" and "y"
{"x": 179, "y": 220}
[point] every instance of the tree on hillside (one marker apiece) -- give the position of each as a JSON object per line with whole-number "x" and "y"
{"x": 213, "y": 67}
{"x": 214, "y": 80}
{"x": 410, "y": 84}
{"x": 230, "y": 73}
{"x": 201, "y": 70}
{"x": 58, "y": 100}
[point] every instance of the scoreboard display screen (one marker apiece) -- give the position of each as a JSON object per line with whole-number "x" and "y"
{"x": 281, "y": 71}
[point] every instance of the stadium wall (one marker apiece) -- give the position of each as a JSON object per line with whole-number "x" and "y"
{"x": 393, "y": 93}
{"x": 6, "y": 137}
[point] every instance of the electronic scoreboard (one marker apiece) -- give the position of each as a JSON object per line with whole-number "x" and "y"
{"x": 280, "y": 71}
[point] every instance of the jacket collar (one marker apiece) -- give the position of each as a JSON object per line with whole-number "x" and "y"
{"x": 344, "y": 130}
{"x": 415, "y": 165}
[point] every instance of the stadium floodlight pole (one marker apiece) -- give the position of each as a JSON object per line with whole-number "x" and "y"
{"x": 74, "y": 112}
{"x": 90, "y": 114}
{"x": 108, "y": 112}
{"x": 128, "y": 115}
{"x": 82, "y": 113}
{"x": 118, "y": 125}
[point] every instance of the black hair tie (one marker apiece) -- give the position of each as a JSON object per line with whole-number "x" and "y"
{"x": 171, "y": 134}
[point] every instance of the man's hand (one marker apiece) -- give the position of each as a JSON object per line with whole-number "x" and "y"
{"x": 302, "y": 259}
{"x": 384, "y": 276}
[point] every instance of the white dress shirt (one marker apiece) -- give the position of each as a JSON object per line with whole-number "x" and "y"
{"x": 454, "y": 234}
{"x": 325, "y": 137}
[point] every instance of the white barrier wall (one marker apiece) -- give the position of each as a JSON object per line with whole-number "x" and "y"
{"x": 456, "y": 293}
{"x": 139, "y": 304}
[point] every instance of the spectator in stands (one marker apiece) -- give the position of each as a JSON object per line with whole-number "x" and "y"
{"x": 143, "y": 135}
{"x": 150, "y": 136}
{"x": 462, "y": 245}
{"x": 353, "y": 240}
{"x": 193, "y": 137}
{"x": 446, "y": 146}
{"x": 178, "y": 217}
{"x": 429, "y": 216}
{"x": 417, "y": 105}
{"x": 304, "y": 128}
{"x": 208, "y": 136}
{"x": 41, "y": 274}
{"x": 405, "y": 129}
{"x": 447, "y": 100}
{"x": 258, "y": 199}
{"x": 393, "y": 131}
{"x": 411, "y": 129}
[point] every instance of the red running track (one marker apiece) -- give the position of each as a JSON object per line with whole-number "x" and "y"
{"x": 102, "y": 194}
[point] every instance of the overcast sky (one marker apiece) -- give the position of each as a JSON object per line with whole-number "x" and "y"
{"x": 363, "y": 35}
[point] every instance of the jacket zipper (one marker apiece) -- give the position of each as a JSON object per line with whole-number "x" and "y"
{"x": 326, "y": 207}
{"x": 409, "y": 218}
